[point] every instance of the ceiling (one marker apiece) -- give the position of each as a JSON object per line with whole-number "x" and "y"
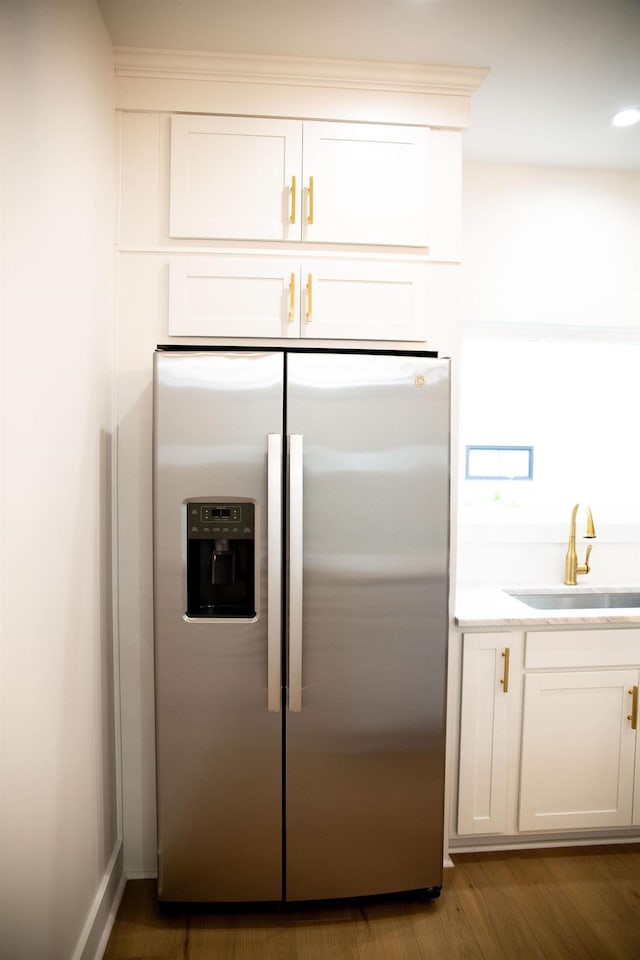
{"x": 559, "y": 68}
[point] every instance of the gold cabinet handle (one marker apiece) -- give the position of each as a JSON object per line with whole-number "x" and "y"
{"x": 292, "y": 297}
{"x": 309, "y": 298}
{"x": 292, "y": 192}
{"x": 310, "y": 196}
{"x": 633, "y": 716}
{"x": 506, "y": 653}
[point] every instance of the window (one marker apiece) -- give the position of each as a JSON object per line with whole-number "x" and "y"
{"x": 498, "y": 463}
{"x": 577, "y": 402}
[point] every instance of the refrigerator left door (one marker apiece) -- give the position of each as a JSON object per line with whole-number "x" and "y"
{"x": 218, "y": 725}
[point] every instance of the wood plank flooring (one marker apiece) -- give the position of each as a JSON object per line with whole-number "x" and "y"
{"x": 578, "y": 903}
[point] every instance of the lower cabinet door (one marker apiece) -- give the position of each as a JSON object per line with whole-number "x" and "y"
{"x": 578, "y": 750}
{"x": 489, "y": 718}
{"x": 635, "y": 707}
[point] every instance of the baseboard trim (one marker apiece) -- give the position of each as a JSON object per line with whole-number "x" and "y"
{"x": 500, "y": 844}
{"x": 95, "y": 933}
{"x": 142, "y": 874}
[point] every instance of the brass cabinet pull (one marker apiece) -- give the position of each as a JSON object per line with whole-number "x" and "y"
{"x": 633, "y": 716}
{"x": 292, "y": 191}
{"x": 506, "y": 653}
{"x": 310, "y": 194}
{"x": 309, "y": 298}
{"x": 292, "y": 297}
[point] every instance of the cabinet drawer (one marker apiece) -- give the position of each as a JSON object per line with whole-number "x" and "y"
{"x": 581, "y": 648}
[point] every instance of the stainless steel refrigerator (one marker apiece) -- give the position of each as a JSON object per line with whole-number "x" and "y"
{"x": 301, "y": 533}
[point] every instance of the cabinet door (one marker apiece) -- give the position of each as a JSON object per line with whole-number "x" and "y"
{"x": 488, "y": 717}
{"x": 369, "y": 183}
{"x": 234, "y": 297}
{"x": 633, "y": 719}
{"x": 363, "y": 300}
{"x": 235, "y": 178}
{"x": 220, "y": 296}
{"x": 577, "y": 750}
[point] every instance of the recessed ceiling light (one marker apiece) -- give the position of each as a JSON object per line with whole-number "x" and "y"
{"x": 626, "y": 117}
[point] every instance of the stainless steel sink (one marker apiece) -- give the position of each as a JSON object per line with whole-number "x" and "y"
{"x": 576, "y": 601}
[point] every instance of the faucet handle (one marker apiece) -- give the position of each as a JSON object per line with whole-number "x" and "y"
{"x": 584, "y": 567}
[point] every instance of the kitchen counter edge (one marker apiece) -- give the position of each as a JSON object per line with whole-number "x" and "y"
{"x": 493, "y": 607}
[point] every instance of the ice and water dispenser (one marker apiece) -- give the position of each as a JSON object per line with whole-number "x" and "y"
{"x": 220, "y": 559}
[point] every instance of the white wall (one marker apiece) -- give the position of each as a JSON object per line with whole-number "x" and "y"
{"x": 60, "y": 847}
{"x": 550, "y": 251}
{"x": 549, "y": 245}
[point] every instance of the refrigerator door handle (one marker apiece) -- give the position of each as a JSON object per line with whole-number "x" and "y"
{"x": 295, "y": 572}
{"x": 274, "y": 566}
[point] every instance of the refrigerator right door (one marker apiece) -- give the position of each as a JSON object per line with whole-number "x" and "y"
{"x": 369, "y": 510}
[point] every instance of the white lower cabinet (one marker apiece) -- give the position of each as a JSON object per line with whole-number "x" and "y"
{"x": 635, "y": 819}
{"x": 578, "y": 750}
{"x": 329, "y": 299}
{"x": 491, "y": 702}
{"x": 559, "y": 752}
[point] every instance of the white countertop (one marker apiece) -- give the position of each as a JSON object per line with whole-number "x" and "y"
{"x": 493, "y": 607}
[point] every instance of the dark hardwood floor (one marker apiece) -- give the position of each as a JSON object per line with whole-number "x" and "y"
{"x": 579, "y": 903}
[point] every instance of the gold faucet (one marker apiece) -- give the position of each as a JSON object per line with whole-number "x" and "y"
{"x": 571, "y": 566}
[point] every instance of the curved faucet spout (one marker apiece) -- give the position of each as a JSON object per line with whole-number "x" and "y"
{"x": 571, "y": 566}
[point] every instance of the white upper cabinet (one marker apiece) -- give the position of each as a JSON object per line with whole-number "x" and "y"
{"x": 365, "y": 183}
{"x": 368, "y": 301}
{"x": 234, "y": 297}
{"x": 260, "y": 179}
{"x": 234, "y": 178}
{"x": 219, "y": 296}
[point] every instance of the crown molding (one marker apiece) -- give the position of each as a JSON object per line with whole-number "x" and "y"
{"x": 417, "y": 78}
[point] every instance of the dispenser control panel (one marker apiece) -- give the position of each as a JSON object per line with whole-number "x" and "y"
{"x": 215, "y": 521}
{"x": 221, "y": 559}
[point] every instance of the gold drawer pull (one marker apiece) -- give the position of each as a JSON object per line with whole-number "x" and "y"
{"x": 633, "y": 716}
{"x": 292, "y": 297}
{"x": 310, "y": 194}
{"x": 292, "y": 191}
{"x": 309, "y": 298}
{"x": 506, "y": 653}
